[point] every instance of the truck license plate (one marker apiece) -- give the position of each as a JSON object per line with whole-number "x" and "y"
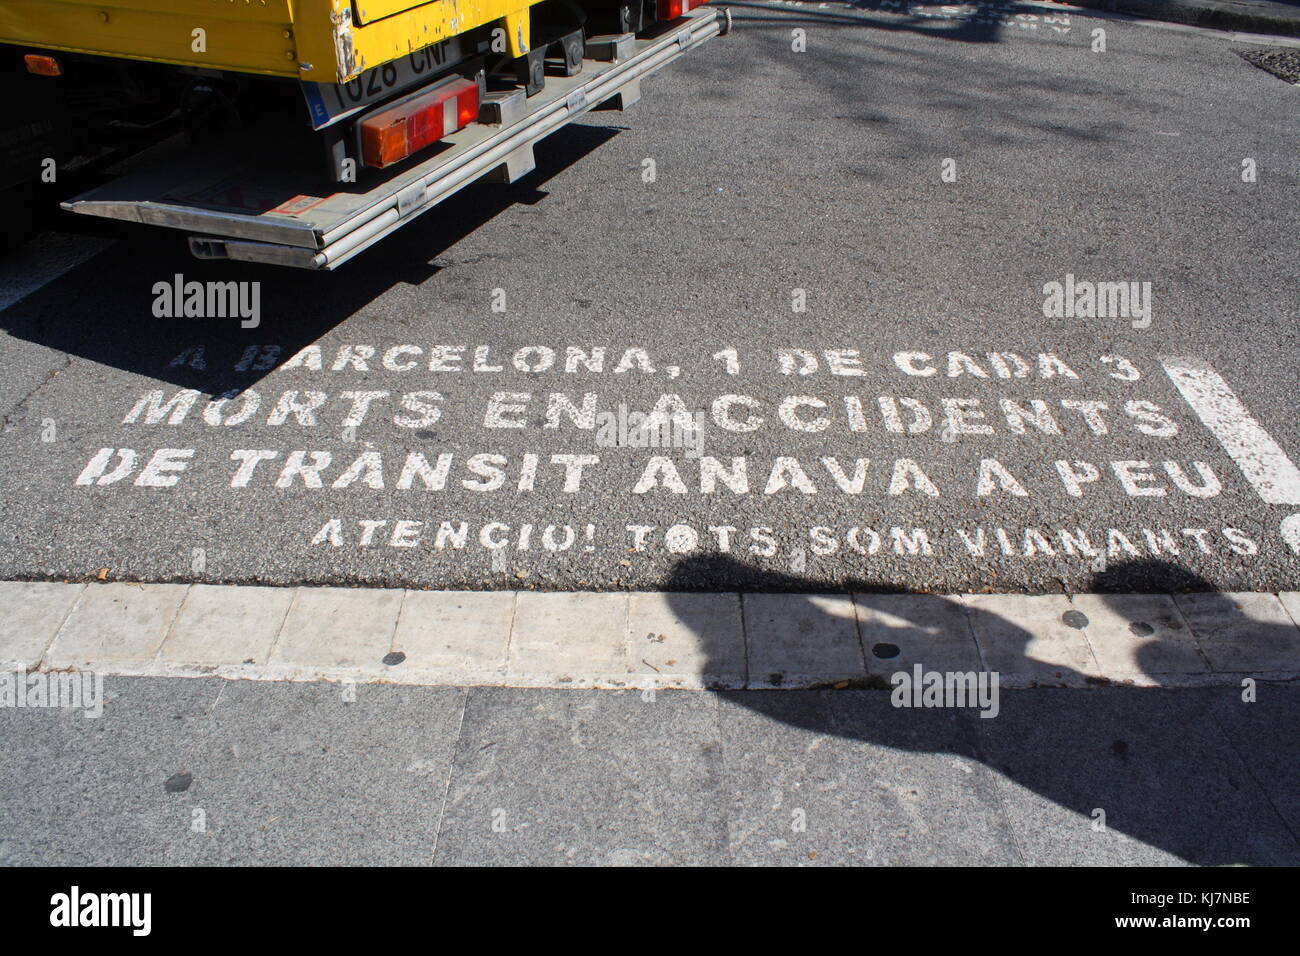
{"x": 330, "y": 102}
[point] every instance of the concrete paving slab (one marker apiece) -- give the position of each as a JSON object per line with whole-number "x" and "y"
{"x": 116, "y": 626}
{"x": 330, "y": 628}
{"x": 799, "y": 639}
{"x": 1139, "y": 637}
{"x": 586, "y": 777}
{"x": 1171, "y": 786}
{"x": 846, "y": 778}
{"x": 900, "y": 631}
{"x": 572, "y": 637}
{"x": 1243, "y": 632}
{"x": 1260, "y": 724}
{"x": 686, "y": 639}
{"x": 463, "y": 633}
{"x": 277, "y": 772}
{"x": 1025, "y": 638}
{"x": 32, "y": 613}
{"x": 1291, "y": 601}
{"x": 220, "y": 625}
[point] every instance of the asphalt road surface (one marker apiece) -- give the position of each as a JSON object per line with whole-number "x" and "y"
{"x": 832, "y": 267}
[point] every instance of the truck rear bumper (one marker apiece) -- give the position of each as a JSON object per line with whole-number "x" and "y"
{"x": 243, "y": 209}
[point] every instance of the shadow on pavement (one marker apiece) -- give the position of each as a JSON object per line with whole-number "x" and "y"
{"x": 102, "y": 310}
{"x": 980, "y": 23}
{"x": 1197, "y": 773}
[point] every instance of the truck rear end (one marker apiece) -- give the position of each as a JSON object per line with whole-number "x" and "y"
{"x": 332, "y": 97}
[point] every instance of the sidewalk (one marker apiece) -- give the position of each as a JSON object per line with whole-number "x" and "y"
{"x": 1280, "y": 17}
{"x": 1124, "y": 731}
{"x": 306, "y": 774}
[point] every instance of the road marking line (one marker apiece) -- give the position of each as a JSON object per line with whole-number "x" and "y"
{"x": 1265, "y": 465}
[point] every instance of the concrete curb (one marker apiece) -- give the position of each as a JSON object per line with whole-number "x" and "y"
{"x": 1252, "y": 16}
{"x": 644, "y": 639}
{"x": 1245, "y": 21}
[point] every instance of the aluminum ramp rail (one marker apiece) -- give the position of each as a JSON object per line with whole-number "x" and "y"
{"x": 243, "y": 210}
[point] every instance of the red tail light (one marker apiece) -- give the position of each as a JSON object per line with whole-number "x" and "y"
{"x": 672, "y": 9}
{"x": 42, "y": 65}
{"x": 390, "y": 136}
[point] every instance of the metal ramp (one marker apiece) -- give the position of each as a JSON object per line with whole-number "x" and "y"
{"x": 239, "y": 206}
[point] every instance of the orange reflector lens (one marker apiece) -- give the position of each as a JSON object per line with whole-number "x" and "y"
{"x": 42, "y": 65}
{"x": 392, "y": 135}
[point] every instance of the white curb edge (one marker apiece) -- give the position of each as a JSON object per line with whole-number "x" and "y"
{"x": 644, "y": 639}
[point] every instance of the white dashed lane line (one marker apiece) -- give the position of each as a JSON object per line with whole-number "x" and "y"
{"x": 1266, "y": 466}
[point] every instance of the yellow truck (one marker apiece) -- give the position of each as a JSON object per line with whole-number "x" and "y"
{"x": 315, "y": 127}
{"x": 329, "y": 41}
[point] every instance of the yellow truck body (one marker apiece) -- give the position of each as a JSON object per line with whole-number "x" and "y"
{"x": 322, "y": 41}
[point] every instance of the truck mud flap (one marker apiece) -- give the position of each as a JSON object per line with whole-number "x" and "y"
{"x": 239, "y": 209}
